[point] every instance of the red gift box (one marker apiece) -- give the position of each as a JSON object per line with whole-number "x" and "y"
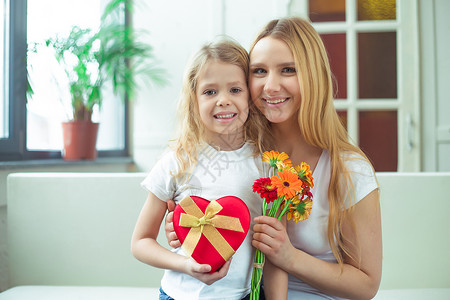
{"x": 211, "y": 231}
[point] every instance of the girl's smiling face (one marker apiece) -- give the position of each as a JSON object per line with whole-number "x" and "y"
{"x": 273, "y": 81}
{"x": 222, "y": 97}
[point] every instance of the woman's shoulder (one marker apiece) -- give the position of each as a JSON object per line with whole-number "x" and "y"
{"x": 362, "y": 175}
{"x": 357, "y": 163}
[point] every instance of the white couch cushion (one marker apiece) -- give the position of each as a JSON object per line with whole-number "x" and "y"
{"x": 74, "y": 229}
{"x": 79, "y": 293}
{"x": 413, "y": 294}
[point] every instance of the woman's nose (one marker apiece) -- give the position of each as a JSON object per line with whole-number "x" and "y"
{"x": 272, "y": 84}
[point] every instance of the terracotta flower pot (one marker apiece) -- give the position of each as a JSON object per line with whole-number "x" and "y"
{"x": 80, "y": 139}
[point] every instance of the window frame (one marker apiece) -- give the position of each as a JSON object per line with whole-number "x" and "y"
{"x": 13, "y": 148}
{"x": 407, "y": 102}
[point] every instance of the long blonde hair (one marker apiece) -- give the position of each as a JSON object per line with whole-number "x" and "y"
{"x": 317, "y": 118}
{"x": 191, "y": 129}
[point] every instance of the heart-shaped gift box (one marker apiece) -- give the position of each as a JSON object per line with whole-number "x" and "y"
{"x": 211, "y": 231}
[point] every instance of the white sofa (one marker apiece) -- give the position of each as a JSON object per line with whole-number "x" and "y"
{"x": 69, "y": 237}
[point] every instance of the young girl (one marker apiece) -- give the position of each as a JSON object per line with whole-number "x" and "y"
{"x": 215, "y": 155}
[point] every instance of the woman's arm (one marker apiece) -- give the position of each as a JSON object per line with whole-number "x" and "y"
{"x": 360, "y": 278}
{"x": 146, "y": 249}
{"x": 171, "y": 236}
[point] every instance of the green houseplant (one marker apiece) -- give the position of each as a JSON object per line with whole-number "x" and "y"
{"x": 110, "y": 56}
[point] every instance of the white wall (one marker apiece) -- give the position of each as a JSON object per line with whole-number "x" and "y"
{"x": 177, "y": 29}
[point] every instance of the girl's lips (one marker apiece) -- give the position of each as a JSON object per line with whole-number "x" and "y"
{"x": 225, "y": 116}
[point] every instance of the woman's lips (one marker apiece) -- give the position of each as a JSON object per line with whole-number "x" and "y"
{"x": 275, "y": 100}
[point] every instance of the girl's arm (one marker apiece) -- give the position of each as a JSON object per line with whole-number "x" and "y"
{"x": 360, "y": 278}
{"x": 146, "y": 249}
{"x": 275, "y": 278}
{"x": 275, "y": 282}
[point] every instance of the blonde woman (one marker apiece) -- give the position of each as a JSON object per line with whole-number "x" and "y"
{"x": 216, "y": 154}
{"x": 337, "y": 252}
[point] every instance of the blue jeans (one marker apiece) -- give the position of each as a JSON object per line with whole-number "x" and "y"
{"x": 163, "y": 295}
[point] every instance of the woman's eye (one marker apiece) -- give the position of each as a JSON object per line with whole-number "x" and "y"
{"x": 209, "y": 92}
{"x": 289, "y": 70}
{"x": 235, "y": 90}
{"x": 259, "y": 71}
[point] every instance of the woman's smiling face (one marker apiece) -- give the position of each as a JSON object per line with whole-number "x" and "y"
{"x": 273, "y": 81}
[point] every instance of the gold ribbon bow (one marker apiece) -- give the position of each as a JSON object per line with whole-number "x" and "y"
{"x": 206, "y": 224}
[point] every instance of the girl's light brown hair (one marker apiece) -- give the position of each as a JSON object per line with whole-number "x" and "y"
{"x": 191, "y": 131}
{"x": 317, "y": 118}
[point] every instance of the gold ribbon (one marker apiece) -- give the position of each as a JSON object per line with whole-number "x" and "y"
{"x": 206, "y": 224}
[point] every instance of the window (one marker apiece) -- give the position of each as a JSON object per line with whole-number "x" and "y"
{"x": 4, "y": 116}
{"x": 373, "y": 51}
{"x": 31, "y": 129}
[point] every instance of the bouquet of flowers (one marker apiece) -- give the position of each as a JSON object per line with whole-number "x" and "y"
{"x": 288, "y": 192}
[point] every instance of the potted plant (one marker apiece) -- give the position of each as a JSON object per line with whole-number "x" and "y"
{"x": 92, "y": 59}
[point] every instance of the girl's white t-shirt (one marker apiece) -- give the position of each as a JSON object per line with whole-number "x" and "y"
{"x": 311, "y": 235}
{"x": 217, "y": 174}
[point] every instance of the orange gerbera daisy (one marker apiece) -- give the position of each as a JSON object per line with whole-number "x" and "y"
{"x": 287, "y": 184}
{"x": 305, "y": 174}
{"x": 272, "y": 157}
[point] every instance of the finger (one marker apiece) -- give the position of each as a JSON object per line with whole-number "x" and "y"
{"x": 265, "y": 229}
{"x": 170, "y": 205}
{"x": 169, "y": 217}
{"x": 270, "y": 221}
{"x": 264, "y": 248}
{"x": 201, "y": 268}
{"x": 172, "y": 236}
{"x": 169, "y": 227}
{"x": 265, "y": 239}
{"x": 175, "y": 244}
{"x": 223, "y": 271}
{"x": 217, "y": 275}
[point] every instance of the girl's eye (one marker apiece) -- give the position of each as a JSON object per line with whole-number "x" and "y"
{"x": 258, "y": 71}
{"x": 289, "y": 70}
{"x": 235, "y": 90}
{"x": 209, "y": 92}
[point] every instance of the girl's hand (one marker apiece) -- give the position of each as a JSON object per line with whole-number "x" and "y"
{"x": 196, "y": 270}
{"x": 201, "y": 272}
{"x": 271, "y": 238}
{"x": 171, "y": 236}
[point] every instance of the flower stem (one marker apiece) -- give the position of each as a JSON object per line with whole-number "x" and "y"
{"x": 256, "y": 275}
{"x": 286, "y": 207}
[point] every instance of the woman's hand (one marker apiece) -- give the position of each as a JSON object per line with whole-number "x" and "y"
{"x": 360, "y": 275}
{"x": 171, "y": 236}
{"x": 272, "y": 239}
{"x": 201, "y": 272}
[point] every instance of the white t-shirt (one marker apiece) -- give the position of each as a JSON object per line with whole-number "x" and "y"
{"x": 217, "y": 174}
{"x": 311, "y": 235}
